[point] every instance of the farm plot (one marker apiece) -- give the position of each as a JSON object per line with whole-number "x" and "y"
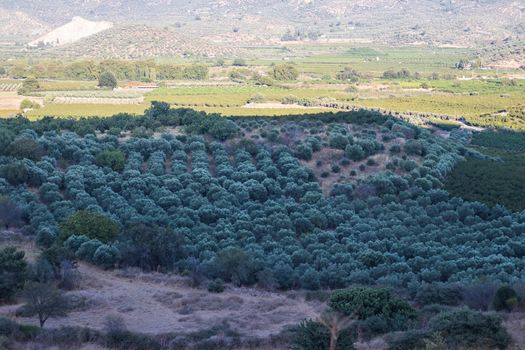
{"x": 94, "y": 97}
{"x": 9, "y": 86}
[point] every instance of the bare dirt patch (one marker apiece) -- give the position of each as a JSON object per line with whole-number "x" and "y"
{"x": 156, "y": 303}
{"x": 11, "y": 101}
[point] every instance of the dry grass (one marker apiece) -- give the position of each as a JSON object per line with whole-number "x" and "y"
{"x": 155, "y": 303}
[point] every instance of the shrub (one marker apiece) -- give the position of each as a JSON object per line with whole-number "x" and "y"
{"x": 414, "y": 147}
{"x": 395, "y": 149}
{"x": 13, "y": 272}
{"x": 26, "y": 148}
{"x": 416, "y": 340}
{"x": 126, "y": 340}
{"x": 465, "y": 328}
{"x": 87, "y": 250}
{"x": 106, "y": 256}
{"x": 348, "y": 74}
{"x": 304, "y": 151}
{"x": 439, "y": 294}
{"x": 234, "y": 265}
{"x": 479, "y": 296}
{"x": 10, "y": 213}
{"x": 355, "y": 152}
{"x": 257, "y": 98}
{"x": 285, "y": 72}
{"x": 336, "y": 168}
{"x": 216, "y": 286}
{"x": 74, "y": 242}
{"x": 28, "y": 104}
{"x": 239, "y": 62}
{"x": 29, "y": 85}
{"x": 312, "y": 335}
{"x": 338, "y": 141}
{"x": 506, "y": 299}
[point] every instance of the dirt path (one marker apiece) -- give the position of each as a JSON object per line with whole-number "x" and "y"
{"x": 156, "y": 303}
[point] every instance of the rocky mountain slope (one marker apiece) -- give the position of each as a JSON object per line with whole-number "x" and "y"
{"x": 442, "y": 22}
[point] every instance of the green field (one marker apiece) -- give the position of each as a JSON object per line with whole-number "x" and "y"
{"x": 491, "y": 182}
{"x": 452, "y": 105}
{"x": 433, "y": 86}
{"x": 84, "y": 110}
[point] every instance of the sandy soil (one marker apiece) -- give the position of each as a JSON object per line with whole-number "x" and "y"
{"x": 11, "y": 101}
{"x": 156, "y": 303}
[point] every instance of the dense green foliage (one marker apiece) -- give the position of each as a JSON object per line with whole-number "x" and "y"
{"x": 284, "y": 72}
{"x": 497, "y": 181}
{"x": 13, "y": 272}
{"x": 111, "y": 158}
{"x": 91, "y": 70}
{"x": 255, "y": 214}
{"x": 506, "y": 299}
{"x": 312, "y": 335}
{"x": 29, "y": 85}
{"x": 378, "y": 309}
{"x": 89, "y": 224}
{"x": 107, "y": 80}
{"x": 465, "y": 328}
{"x": 505, "y": 140}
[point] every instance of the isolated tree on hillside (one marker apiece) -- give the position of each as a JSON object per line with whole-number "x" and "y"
{"x": 45, "y": 301}
{"x": 107, "y": 79}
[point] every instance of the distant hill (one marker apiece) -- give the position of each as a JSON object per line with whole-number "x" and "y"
{"x": 435, "y": 22}
{"x": 19, "y": 26}
{"x": 71, "y": 32}
{"x": 141, "y": 41}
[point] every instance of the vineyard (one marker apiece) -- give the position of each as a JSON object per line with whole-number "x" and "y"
{"x": 9, "y": 87}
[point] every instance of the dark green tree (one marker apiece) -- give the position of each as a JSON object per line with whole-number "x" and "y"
{"x": 505, "y": 299}
{"x": 470, "y": 329}
{"x": 107, "y": 80}
{"x": 112, "y": 158}
{"x": 13, "y": 272}
{"x": 285, "y": 72}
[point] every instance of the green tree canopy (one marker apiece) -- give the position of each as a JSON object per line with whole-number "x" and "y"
{"x": 89, "y": 224}
{"x": 107, "y": 79}
{"x": 285, "y": 72}
{"x": 112, "y": 158}
{"x": 13, "y": 272}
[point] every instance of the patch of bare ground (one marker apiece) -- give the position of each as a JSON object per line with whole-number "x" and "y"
{"x": 11, "y": 101}
{"x": 515, "y": 325}
{"x": 154, "y": 303}
{"x": 322, "y": 161}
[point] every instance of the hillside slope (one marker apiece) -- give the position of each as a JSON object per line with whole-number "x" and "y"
{"x": 141, "y": 41}
{"x": 461, "y": 22}
{"x": 18, "y": 25}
